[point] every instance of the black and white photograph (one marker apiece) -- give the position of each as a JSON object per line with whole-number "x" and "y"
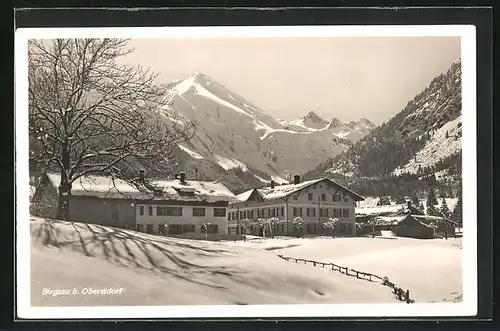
{"x": 246, "y": 171}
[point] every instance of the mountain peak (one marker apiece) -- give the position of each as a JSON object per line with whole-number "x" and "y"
{"x": 334, "y": 123}
{"x": 366, "y": 122}
{"x": 312, "y": 116}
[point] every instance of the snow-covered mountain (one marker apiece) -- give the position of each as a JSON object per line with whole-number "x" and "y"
{"x": 352, "y": 131}
{"x": 423, "y": 139}
{"x": 236, "y": 137}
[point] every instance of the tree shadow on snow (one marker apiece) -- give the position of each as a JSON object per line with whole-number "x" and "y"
{"x": 159, "y": 255}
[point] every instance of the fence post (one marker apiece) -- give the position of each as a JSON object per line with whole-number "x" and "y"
{"x": 407, "y": 296}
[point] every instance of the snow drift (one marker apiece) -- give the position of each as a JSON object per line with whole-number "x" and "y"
{"x": 154, "y": 270}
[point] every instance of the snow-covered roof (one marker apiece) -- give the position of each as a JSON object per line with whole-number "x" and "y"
{"x": 282, "y": 191}
{"x": 245, "y": 195}
{"x": 388, "y": 220}
{"x": 99, "y": 186}
{"x": 428, "y": 219}
{"x": 379, "y": 210}
{"x": 210, "y": 191}
{"x": 174, "y": 189}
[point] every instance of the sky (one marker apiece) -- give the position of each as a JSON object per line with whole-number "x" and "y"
{"x": 343, "y": 77}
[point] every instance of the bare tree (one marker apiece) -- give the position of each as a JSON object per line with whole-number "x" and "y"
{"x": 89, "y": 114}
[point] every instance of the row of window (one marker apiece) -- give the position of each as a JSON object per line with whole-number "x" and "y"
{"x": 323, "y": 212}
{"x": 178, "y": 211}
{"x": 260, "y": 213}
{"x": 280, "y": 211}
{"x": 176, "y": 228}
{"x": 322, "y": 197}
{"x": 309, "y": 228}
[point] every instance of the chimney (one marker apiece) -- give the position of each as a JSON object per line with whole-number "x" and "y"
{"x": 182, "y": 176}
{"x": 296, "y": 179}
{"x": 272, "y": 184}
{"x": 141, "y": 175}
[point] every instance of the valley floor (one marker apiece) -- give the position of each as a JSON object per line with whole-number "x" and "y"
{"x": 430, "y": 269}
{"x": 153, "y": 270}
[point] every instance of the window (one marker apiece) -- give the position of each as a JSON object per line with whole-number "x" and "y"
{"x": 228, "y": 216}
{"x": 297, "y": 211}
{"x": 174, "y": 211}
{"x": 141, "y": 210}
{"x": 323, "y": 212}
{"x": 188, "y": 228}
{"x": 295, "y": 197}
{"x": 175, "y": 229}
{"x": 150, "y": 210}
{"x": 282, "y": 211}
{"x": 161, "y": 211}
{"x": 311, "y": 211}
{"x": 220, "y": 212}
{"x": 149, "y": 228}
{"x": 161, "y": 228}
{"x": 336, "y": 212}
{"x": 260, "y": 213}
{"x": 213, "y": 228}
{"x": 345, "y": 198}
{"x": 346, "y": 212}
{"x": 272, "y": 212}
{"x": 336, "y": 198}
{"x": 242, "y": 216}
{"x": 308, "y": 228}
{"x": 310, "y": 197}
{"x": 140, "y": 227}
{"x": 323, "y": 197}
{"x": 198, "y": 212}
{"x": 251, "y": 214}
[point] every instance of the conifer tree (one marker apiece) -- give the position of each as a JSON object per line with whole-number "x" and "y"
{"x": 432, "y": 210}
{"x": 457, "y": 211}
{"x": 431, "y": 197}
{"x": 445, "y": 211}
{"x": 415, "y": 202}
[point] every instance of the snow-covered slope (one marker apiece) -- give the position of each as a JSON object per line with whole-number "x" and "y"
{"x": 351, "y": 131}
{"x": 430, "y": 269}
{"x": 236, "y": 134}
{"x": 427, "y": 131}
{"x": 154, "y": 270}
{"x": 444, "y": 142}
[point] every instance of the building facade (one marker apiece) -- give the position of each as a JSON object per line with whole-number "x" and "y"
{"x": 315, "y": 202}
{"x": 94, "y": 200}
{"x": 177, "y": 206}
{"x": 177, "y": 217}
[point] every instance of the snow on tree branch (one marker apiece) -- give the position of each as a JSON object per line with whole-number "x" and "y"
{"x": 91, "y": 115}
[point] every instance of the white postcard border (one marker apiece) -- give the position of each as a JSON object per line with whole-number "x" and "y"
{"x": 468, "y": 307}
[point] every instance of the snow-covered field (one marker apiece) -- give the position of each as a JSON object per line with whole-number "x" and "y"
{"x": 430, "y": 269}
{"x": 153, "y": 270}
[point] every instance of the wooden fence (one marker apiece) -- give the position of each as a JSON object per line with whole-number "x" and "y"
{"x": 400, "y": 294}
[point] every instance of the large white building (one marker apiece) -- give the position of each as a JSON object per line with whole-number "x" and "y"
{"x": 314, "y": 201}
{"x": 182, "y": 206}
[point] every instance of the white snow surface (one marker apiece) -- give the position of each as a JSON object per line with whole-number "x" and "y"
{"x": 379, "y": 209}
{"x": 210, "y": 190}
{"x": 431, "y": 269}
{"x": 154, "y": 270}
{"x": 95, "y": 184}
{"x": 438, "y": 147}
{"x": 191, "y": 153}
{"x": 227, "y": 163}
